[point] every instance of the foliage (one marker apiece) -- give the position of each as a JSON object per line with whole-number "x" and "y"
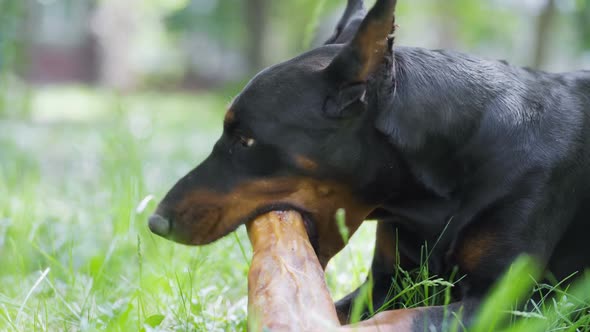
{"x": 583, "y": 19}
{"x": 11, "y": 14}
{"x": 221, "y": 19}
{"x": 11, "y": 53}
{"x": 224, "y": 20}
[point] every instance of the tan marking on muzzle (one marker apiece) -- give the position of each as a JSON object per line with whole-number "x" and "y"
{"x": 204, "y": 216}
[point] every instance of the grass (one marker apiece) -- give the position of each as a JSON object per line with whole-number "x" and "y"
{"x": 75, "y": 251}
{"x": 77, "y": 182}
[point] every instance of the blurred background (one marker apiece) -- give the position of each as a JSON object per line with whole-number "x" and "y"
{"x": 104, "y": 104}
{"x": 208, "y": 44}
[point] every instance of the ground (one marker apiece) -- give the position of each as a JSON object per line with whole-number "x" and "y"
{"x": 80, "y": 174}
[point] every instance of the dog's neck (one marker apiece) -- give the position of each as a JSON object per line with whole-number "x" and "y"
{"x": 431, "y": 104}
{"x": 437, "y": 96}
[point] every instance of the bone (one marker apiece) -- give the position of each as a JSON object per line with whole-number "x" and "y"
{"x": 286, "y": 286}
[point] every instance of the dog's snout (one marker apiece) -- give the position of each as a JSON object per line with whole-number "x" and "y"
{"x": 159, "y": 225}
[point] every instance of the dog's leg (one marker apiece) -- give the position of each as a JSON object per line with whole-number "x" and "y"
{"x": 385, "y": 261}
{"x": 452, "y": 317}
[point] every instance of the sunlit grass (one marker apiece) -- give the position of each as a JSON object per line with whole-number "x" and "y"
{"x": 75, "y": 249}
{"x": 75, "y": 252}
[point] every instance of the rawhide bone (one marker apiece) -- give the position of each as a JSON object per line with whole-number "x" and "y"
{"x": 286, "y": 286}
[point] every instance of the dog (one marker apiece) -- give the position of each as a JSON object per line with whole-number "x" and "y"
{"x": 480, "y": 160}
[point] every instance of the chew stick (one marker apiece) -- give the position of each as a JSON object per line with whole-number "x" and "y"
{"x": 286, "y": 286}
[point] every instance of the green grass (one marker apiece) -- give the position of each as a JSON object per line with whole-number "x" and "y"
{"x": 77, "y": 182}
{"x": 75, "y": 251}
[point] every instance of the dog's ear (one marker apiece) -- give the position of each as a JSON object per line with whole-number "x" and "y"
{"x": 366, "y": 51}
{"x": 348, "y": 102}
{"x": 349, "y": 22}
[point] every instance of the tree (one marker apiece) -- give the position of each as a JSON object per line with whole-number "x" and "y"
{"x": 12, "y": 54}
{"x": 583, "y": 20}
{"x": 544, "y": 24}
{"x": 257, "y": 25}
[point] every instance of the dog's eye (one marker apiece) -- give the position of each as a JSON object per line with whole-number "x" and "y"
{"x": 247, "y": 142}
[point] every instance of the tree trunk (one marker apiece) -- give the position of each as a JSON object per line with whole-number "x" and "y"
{"x": 256, "y": 22}
{"x": 542, "y": 42}
{"x": 446, "y": 21}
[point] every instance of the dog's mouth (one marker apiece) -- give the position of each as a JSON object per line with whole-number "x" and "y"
{"x": 308, "y": 220}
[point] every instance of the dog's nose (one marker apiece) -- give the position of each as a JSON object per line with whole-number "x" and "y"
{"x": 159, "y": 225}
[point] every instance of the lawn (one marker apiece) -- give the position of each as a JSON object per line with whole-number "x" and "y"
{"x": 78, "y": 179}
{"x": 80, "y": 175}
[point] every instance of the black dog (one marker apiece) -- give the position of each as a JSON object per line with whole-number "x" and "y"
{"x": 424, "y": 141}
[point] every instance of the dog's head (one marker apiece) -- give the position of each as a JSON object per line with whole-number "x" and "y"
{"x": 298, "y": 137}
